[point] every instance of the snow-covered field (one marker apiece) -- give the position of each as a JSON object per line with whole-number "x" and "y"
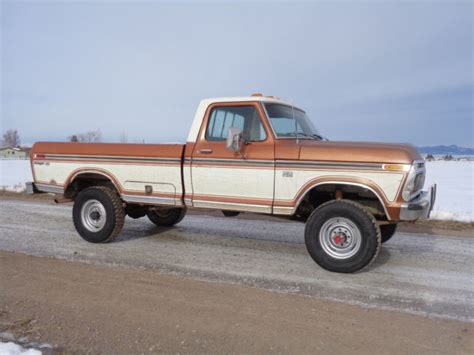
{"x": 14, "y": 174}
{"x": 455, "y": 179}
{"x": 455, "y": 195}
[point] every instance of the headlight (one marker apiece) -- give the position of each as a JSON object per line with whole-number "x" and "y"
{"x": 415, "y": 180}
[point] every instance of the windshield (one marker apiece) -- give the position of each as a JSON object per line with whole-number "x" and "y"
{"x": 289, "y": 122}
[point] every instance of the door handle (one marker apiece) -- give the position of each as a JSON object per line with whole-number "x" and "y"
{"x": 205, "y": 151}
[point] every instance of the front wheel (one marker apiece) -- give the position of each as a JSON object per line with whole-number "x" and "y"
{"x": 342, "y": 236}
{"x": 98, "y": 214}
{"x": 166, "y": 217}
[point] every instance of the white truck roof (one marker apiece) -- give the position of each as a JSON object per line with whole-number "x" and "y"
{"x": 204, "y": 104}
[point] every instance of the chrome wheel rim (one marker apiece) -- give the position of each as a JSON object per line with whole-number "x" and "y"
{"x": 93, "y": 215}
{"x": 340, "y": 238}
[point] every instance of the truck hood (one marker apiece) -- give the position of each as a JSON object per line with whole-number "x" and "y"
{"x": 364, "y": 152}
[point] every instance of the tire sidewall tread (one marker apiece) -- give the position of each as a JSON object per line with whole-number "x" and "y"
{"x": 368, "y": 227}
{"x": 114, "y": 209}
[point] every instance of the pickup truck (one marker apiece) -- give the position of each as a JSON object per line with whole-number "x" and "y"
{"x": 255, "y": 154}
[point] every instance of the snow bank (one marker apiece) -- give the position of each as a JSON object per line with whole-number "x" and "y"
{"x": 14, "y": 174}
{"x": 455, "y": 179}
{"x": 455, "y": 196}
{"x": 15, "y": 349}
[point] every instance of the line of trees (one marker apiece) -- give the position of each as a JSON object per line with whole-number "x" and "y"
{"x": 11, "y": 138}
{"x": 87, "y": 137}
{"x": 93, "y": 137}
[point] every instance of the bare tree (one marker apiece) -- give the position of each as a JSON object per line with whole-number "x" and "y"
{"x": 123, "y": 138}
{"x": 11, "y": 138}
{"x": 91, "y": 137}
{"x": 87, "y": 137}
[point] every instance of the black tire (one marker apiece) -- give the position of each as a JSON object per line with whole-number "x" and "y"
{"x": 230, "y": 213}
{"x": 387, "y": 230}
{"x": 166, "y": 217}
{"x": 350, "y": 223}
{"x": 114, "y": 216}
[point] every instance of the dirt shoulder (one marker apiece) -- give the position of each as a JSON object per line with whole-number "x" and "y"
{"x": 84, "y": 308}
{"x": 437, "y": 227}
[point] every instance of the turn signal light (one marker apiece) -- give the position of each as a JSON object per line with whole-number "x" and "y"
{"x": 394, "y": 167}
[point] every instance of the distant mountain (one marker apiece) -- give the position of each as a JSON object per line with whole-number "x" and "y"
{"x": 446, "y": 149}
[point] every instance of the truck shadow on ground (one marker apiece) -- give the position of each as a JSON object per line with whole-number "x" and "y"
{"x": 198, "y": 237}
{"x": 130, "y": 233}
{"x": 187, "y": 235}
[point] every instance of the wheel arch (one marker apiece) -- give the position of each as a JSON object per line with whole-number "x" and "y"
{"x": 313, "y": 187}
{"x": 82, "y": 178}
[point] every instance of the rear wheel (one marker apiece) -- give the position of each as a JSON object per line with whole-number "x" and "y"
{"x": 342, "y": 236}
{"x": 166, "y": 217}
{"x": 98, "y": 214}
{"x": 388, "y": 230}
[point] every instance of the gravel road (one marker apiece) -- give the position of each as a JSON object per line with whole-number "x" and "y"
{"x": 419, "y": 274}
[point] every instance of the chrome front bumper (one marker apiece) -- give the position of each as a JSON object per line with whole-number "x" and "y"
{"x": 420, "y": 207}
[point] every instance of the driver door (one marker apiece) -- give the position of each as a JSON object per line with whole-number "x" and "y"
{"x": 228, "y": 180}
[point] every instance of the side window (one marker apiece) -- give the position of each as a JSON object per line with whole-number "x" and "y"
{"x": 244, "y": 117}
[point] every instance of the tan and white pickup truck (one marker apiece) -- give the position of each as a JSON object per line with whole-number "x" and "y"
{"x": 245, "y": 154}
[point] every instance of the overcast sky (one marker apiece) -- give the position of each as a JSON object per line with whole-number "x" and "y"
{"x": 383, "y": 71}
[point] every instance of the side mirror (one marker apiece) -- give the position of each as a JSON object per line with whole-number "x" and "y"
{"x": 234, "y": 139}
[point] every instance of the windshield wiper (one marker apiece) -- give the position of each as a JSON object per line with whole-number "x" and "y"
{"x": 320, "y": 137}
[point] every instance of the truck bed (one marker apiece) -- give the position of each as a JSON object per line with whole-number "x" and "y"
{"x": 142, "y": 173}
